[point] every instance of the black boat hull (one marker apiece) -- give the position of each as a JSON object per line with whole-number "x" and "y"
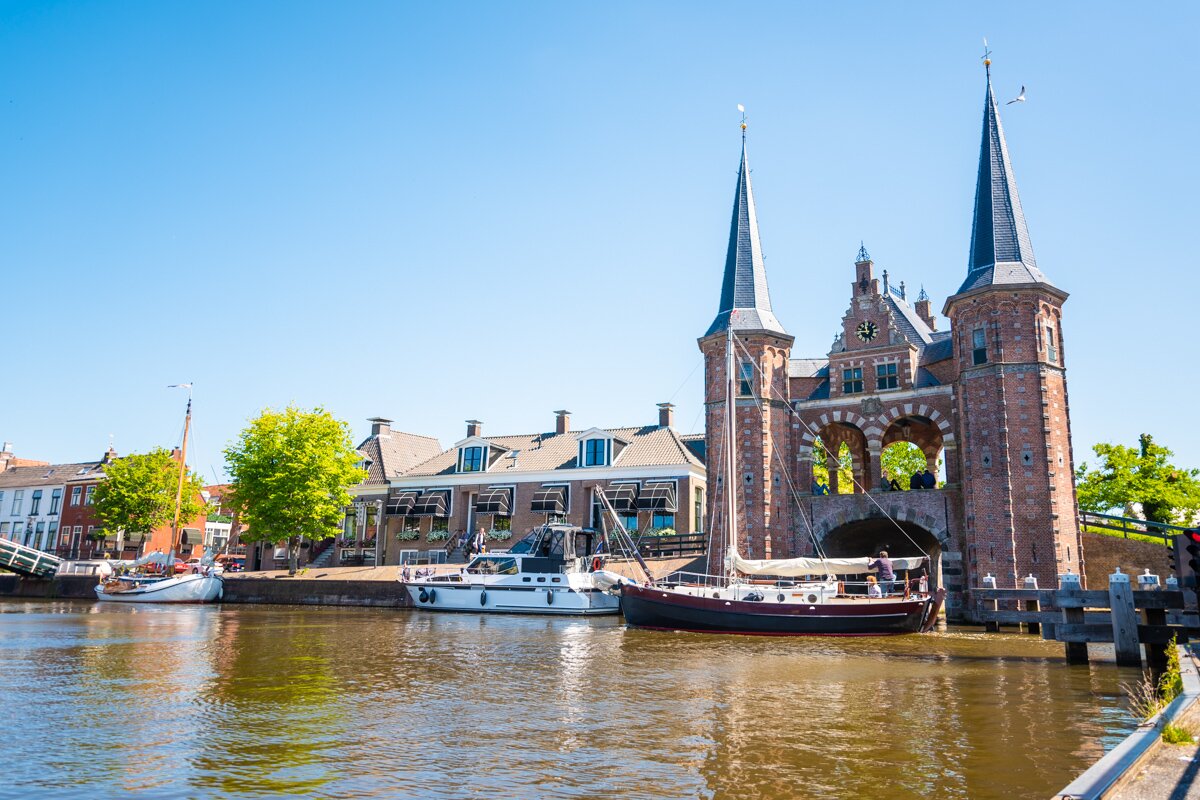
{"x": 649, "y": 607}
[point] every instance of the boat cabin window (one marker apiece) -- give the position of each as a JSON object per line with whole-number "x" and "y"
{"x": 526, "y": 579}
{"x": 493, "y": 565}
{"x": 556, "y": 580}
{"x": 541, "y": 580}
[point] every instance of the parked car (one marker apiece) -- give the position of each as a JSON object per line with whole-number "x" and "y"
{"x": 232, "y": 563}
{"x": 191, "y": 565}
{"x": 180, "y": 566}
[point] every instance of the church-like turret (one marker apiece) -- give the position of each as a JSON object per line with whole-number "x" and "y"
{"x": 1019, "y": 493}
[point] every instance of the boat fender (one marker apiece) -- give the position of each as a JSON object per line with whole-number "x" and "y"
{"x": 483, "y": 598}
{"x": 432, "y": 595}
{"x": 779, "y": 597}
{"x": 597, "y": 563}
{"x": 423, "y": 596}
{"x": 549, "y": 597}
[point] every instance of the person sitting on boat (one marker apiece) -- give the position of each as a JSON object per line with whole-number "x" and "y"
{"x": 883, "y": 566}
{"x": 873, "y": 589}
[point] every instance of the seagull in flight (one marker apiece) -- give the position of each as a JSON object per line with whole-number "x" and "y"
{"x": 1018, "y": 99}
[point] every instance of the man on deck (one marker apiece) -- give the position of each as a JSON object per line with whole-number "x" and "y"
{"x": 883, "y": 568}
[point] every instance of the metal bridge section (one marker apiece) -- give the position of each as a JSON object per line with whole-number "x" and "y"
{"x": 27, "y": 561}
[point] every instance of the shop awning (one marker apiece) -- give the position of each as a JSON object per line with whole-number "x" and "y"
{"x": 550, "y": 500}
{"x": 494, "y": 501}
{"x": 189, "y": 536}
{"x": 431, "y": 504}
{"x": 401, "y": 504}
{"x": 134, "y": 537}
{"x": 657, "y": 497}
{"x": 623, "y": 497}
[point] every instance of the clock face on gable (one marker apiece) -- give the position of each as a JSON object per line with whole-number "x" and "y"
{"x": 866, "y": 331}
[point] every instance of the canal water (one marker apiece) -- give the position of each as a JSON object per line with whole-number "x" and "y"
{"x": 102, "y": 700}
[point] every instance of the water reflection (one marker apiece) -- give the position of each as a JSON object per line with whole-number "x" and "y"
{"x": 270, "y": 701}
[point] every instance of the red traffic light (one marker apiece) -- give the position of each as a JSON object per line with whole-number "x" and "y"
{"x": 1193, "y": 534}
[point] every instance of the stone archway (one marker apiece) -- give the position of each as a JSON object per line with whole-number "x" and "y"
{"x": 832, "y": 437}
{"x": 900, "y": 538}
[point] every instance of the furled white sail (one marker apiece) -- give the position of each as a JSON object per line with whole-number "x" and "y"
{"x": 795, "y": 567}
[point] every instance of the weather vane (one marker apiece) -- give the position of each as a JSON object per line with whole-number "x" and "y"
{"x": 742, "y": 109}
{"x": 987, "y": 55}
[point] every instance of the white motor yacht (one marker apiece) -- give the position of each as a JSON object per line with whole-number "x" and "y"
{"x": 550, "y": 571}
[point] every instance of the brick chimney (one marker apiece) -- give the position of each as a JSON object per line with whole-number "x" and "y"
{"x": 474, "y": 428}
{"x": 110, "y": 455}
{"x": 6, "y": 455}
{"x": 380, "y": 426}
{"x": 666, "y": 415}
{"x": 562, "y": 421}
{"x": 924, "y": 311}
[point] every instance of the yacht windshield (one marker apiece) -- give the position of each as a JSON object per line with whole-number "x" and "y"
{"x": 493, "y": 565}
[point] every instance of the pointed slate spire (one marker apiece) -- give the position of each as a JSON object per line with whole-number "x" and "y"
{"x": 1001, "y": 252}
{"x": 744, "y": 295}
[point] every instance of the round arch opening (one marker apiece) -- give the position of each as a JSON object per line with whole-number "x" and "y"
{"x": 867, "y": 537}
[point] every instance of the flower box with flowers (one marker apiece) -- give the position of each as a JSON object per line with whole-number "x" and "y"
{"x": 407, "y": 536}
{"x": 499, "y": 536}
{"x": 437, "y": 536}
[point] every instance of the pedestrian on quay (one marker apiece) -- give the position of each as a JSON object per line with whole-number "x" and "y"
{"x": 883, "y": 567}
{"x": 481, "y": 541}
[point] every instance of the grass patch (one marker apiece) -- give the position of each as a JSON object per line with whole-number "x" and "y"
{"x": 1147, "y": 697}
{"x": 1174, "y": 734}
{"x": 1141, "y": 537}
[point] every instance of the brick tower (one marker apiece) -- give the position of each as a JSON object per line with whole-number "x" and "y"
{"x": 1017, "y": 467}
{"x": 761, "y": 352}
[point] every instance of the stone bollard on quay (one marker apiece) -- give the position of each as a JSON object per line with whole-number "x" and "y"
{"x": 1032, "y": 605}
{"x": 1076, "y": 651}
{"x": 1124, "y": 620}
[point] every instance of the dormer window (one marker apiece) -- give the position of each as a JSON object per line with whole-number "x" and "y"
{"x": 595, "y": 452}
{"x": 472, "y": 460}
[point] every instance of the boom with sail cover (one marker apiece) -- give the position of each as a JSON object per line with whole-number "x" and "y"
{"x": 796, "y": 567}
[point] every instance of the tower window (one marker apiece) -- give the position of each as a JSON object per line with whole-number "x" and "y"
{"x": 852, "y": 380}
{"x": 978, "y": 346}
{"x": 1051, "y": 348}
{"x": 746, "y": 382}
{"x": 885, "y": 376}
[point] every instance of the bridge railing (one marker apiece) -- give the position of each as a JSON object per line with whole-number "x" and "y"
{"x": 26, "y": 560}
{"x": 1127, "y": 525}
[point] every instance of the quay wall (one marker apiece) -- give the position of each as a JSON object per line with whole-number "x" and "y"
{"x": 67, "y": 586}
{"x": 301, "y": 592}
{"x": 1104, "y": 554}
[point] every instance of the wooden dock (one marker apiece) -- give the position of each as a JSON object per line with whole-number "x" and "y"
{"x": 1121, "y": 615}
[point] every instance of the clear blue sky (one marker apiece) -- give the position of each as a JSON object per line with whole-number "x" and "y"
{"x": 440, "y": 211}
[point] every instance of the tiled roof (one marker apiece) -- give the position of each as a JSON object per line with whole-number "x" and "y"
{"x": 745, "y": 300}
{"x": 394, "y": 453}
{"x": 51, "y": 475}
{"x": 1001, "y": 251}
{"x": 939, "y": 349}
{"x": 808, "y": 368}
{"x": 913, "y": 328}
{"x": 647, "y": 446}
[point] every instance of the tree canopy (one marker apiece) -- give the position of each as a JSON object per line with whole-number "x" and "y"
{"x": 1139, "y": 475}
{"x": 291, "y": 470}
{"x": 138, "y": 493}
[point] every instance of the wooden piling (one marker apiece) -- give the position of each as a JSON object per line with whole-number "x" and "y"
{"x": 1032, "y": 605}
{"x": 990, "y": 626}
{"x": 1156, "y": 652}
{"x": 1076, "y": 651}
{"x": 1124, "y": 620}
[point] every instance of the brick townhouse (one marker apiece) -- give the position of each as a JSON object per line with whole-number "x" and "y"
{"x": 510, "y": 484}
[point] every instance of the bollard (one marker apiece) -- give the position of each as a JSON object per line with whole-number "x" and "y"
{"x": 1172, "y": 583}
{"x": 1147, "y": 582}
{"x": 1032, "y": 605}
{"x": 1124, "y": 620}
{"x": 1076, "y": 651}
{"x": 991, "y": 625}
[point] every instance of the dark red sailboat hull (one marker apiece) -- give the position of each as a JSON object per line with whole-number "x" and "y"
{"x": 648, "y": 607}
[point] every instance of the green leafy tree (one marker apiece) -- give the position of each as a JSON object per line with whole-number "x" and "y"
{"x": 1142, "y": 474}
{"x": 901, "y": 459}
{"x": 138, "y": 493}
{"x": 291, "y": 471}
{"x": 845, "y": 466}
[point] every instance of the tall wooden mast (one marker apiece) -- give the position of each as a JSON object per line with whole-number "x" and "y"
{"x": 187, "y": 424}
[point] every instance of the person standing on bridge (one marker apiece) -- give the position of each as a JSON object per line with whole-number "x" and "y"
{"x": 928, "y": 479}
{"x": 916, "y": 482}
{"x": 883, "y": 566}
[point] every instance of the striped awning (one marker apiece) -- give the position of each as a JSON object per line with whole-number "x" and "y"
{"x": 657, "y": 497}
{"x": 431, "y": 504}
{"x": 401, "y": 504}
{"x": 623, "y": 496}
{"x": 494, "y": 500}
{"x": 550, "y": 500}
{"x": 191, "y": 536}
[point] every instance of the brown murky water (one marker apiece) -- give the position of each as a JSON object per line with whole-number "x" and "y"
{"x": 243, "y": 701}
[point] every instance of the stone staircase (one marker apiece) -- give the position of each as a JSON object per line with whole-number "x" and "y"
{"x": 324, "y": 558}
